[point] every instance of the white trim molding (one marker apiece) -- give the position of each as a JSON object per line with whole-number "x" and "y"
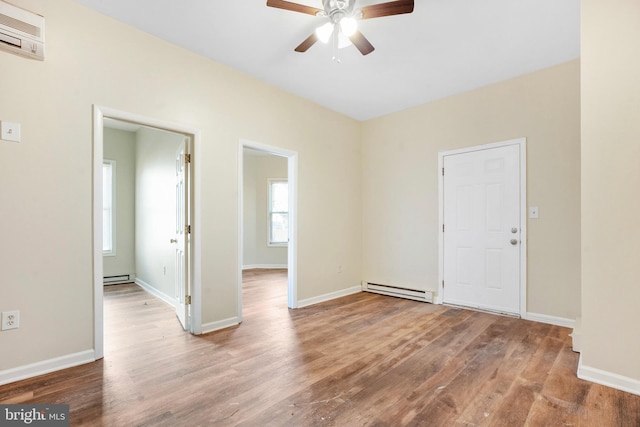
{"x": 552, "y": 320}
{"x": 220, "y": 324}
{"x": 609, "y": 379}
{"x": 156, "y": 293}
{"x": 46, "y": 366}
{"x": 328, "y": 297}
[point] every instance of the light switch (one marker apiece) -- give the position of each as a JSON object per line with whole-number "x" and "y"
{"x": 10, "y": 131}
{"x": 534, "y": 212}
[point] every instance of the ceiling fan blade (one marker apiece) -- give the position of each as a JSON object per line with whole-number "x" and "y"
{"x": 361, "y": 42}
{"x": 386, "y": 9}
{"x": 305, "y": 45}
{"x": 295, "y": 7}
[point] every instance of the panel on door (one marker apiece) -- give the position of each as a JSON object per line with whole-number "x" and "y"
{"x": 482, "y": 229}
{"x": 182, "y": 239}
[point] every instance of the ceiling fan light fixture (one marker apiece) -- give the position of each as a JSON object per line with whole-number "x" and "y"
{"x": 348, "y": 26}
{"x": 343, "y": 15}
{"x": 324, "y": 32}
{"x": 343, "y": 41}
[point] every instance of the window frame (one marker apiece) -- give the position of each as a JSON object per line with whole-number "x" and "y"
{"x": 270, "y": 212}
{"x": 112, "y": 210}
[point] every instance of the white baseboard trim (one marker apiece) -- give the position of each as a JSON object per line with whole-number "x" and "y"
{"x": 156, "y": 293}
{"x": 46, "y": 366}
{"x": 220, "y": 324}
{"x": 609, "y": 379}
{"x": 329, "y": 296}
{"x": 552, "y": 320}
{"x": 265, "y": 266}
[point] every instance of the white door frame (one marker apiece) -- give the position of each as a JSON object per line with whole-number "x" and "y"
{"x": 292, "y": 252}
{"x": 522, "y": 143}
{"x": 99, "y": 114}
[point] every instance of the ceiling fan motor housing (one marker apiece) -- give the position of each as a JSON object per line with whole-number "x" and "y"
{"x": 338, "y": 8}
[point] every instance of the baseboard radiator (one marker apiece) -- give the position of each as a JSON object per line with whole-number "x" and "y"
{"x": 114, "y": 280}
{"x": 397, "y": 291}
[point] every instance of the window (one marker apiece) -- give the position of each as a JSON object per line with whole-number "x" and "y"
{"x": 278, "y": 212}
{"x": 108, "y": 207}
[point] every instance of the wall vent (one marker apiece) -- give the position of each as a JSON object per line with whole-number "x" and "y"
{"x": 21, "y": 31}
{"x": 397, "y": 291}
{"x": 114, "y": 280}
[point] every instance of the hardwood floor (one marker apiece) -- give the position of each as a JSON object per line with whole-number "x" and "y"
{"x": 360, "y": 360}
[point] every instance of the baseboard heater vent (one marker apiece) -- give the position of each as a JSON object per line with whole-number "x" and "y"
{"x": 114, "y": 280}
{"x": 397, "y": 291}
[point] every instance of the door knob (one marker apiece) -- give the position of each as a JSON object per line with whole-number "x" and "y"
{"x": 514, "y": 230}
{"x": 174, "y": 240}
{"x": 514, "y": 242}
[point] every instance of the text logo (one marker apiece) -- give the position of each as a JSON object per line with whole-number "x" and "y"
{"x": 34, "y": 415}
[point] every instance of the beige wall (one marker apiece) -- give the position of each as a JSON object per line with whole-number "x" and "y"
{"x": 45, "y": 181}
{"x": 120, "y": 146}
{"x": 257, "y": 172}
{"x": 400, "y": 181}
{"x": 611, "y": 187}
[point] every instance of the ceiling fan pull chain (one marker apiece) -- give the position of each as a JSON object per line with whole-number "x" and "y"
{"x": 334, "y": 44}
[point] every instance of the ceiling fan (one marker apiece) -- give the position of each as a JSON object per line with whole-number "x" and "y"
{"x": 343, "y": 18}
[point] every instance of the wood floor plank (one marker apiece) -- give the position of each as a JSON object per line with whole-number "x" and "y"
{"x": 526, "y": 388}
{"x": 561, "y": 389}
{"x": 485, "y": 355}
{"x": 523, "y": 338}
{"x": 361, "y": 360}
{"x": 359, "y": 374}
{"x": 606, "y": 406}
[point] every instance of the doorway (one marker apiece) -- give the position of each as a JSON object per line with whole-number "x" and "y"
{"x": 483, "y": 234}
{"x": 271, "y": 238}
{"x": 184, "y": 174}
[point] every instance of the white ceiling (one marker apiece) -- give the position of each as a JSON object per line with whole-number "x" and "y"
{"x": 444, "y": 47}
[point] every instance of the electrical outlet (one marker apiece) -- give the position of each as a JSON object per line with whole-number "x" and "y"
{"x": 10, "y": 320}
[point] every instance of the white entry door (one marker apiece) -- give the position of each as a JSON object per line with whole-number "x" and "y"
{"x": 482, "y": 229}
{"x": 182, "y": 237}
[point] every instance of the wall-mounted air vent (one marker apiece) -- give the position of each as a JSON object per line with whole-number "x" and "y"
{"x": 21, "y": 31}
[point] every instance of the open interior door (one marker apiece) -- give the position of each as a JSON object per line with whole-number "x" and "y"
{"x": 183, "y": 231}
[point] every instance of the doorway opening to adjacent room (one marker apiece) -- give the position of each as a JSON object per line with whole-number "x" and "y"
{"x": 267, "y": 188}
{"x": 164, "y": 158}
{"x": 483, "y": 227}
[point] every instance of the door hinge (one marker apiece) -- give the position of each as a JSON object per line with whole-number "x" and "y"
{"x": 187, "y": 299}
{"x": 443, "y": 228}
{"x": 187, "y": 229}
{"x": 187, "y": 158}
{"x": 442, "y": 171}
{"x": 443, "y": 284}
